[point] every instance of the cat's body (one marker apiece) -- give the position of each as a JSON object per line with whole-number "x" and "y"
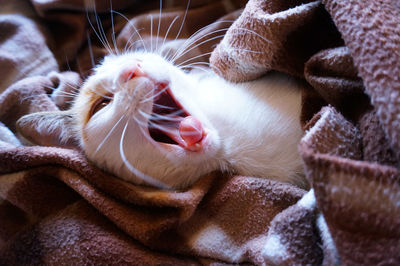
{"x": 122, "y": 122}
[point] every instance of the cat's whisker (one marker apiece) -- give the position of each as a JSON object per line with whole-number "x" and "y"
{"x": 212, "y": 25}
{"x": 162, "y": 106}
{"x": 197, "y": 45}
{"x": 133, "y": 26}
{"x": 102, "y": 95}
{"x": 148, "y": 98}
{"x": 183, "y": 64}
{"x": 109, "y": 134}
{"x": 174, "y": 117}
{"x": 189, "y": 68}
{"x": 207, "y": 71}
{"x": 131, "y": 45}
{"x": 253, "y": 32}
{"x": 152, "y": 124}
{"x": 184, "y": 49}
{"x": 191, "y": 40}
{"x": 113, "y": 29}
{"x": 68, "y": 65}
{"x": 196, "y": 63}
{"x": 160, "y": 127}
{"x": 101, "y": 32}
{"x": 75, "y": 90}
{"x": 93, "y": 28}
{"x": 159, "y": 25}
{"x": 28, "y": 98}
{"x": 168, "y": 30}
{"x": 143, "y": 127}
{"x": 136, "y": 172}
{"x": 183, "y": 20}
{"x": 144, "y": 130}
{"x": 194, "y": 57}
{"x": 90, "y": 48}
{"x": 151, "y": 33}
{"x": 157, "y": 94}
{"x": 65, "y": 94}
{"x": 78, "y": 64}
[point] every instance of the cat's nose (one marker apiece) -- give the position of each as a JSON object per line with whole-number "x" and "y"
{"x": 132, "y": 72}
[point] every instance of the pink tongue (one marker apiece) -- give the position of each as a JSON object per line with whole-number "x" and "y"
{"x": 191, "y": 130}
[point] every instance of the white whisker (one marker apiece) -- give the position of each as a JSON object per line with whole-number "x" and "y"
{"x": 196, "y": 63}
{"x": 151, "y": 33}
{"x": 191, "y": 40}
{"x": 113, "y": 29}
{"x": 90, "y": 48}
{"x": 197, "y": 45}
{"x": 163, "y": 106}
{"x": 131, "y": 45}
{"x": 101, "y": 31}
{"x": 131, "y": 24}
{"x": 184, "y": 49}
{"x": 169, "y": 28}
{"x": 199, "y": 68}
{"x": 169, "y": 117}
{"x": 150, "y": 98}
{"x": 109, "y": 134}
{"x": 159, "y": 24}
{"x": 100, "y": 37}
{"x": 135, "y": 171}
{"x": 183, "y": 21}
{"x": 192, "y": 37}
{"x": 194, "y": 57}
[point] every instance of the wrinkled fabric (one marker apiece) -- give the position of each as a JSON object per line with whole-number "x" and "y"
{"x": 350, "y": 150}
{"x": 56, "y": 207}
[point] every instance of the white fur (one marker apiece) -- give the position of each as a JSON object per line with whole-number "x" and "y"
{"x": 253, "y": 128}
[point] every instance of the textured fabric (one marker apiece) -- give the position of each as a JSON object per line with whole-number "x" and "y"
{"x": 56, "y": 207}
{"x": 350, "y": 149}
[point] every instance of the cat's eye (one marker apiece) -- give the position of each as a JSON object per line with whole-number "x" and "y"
{"x": 99, "y": 104}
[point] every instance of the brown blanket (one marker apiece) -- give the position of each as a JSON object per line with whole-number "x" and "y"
{"x": 57, "y": 208}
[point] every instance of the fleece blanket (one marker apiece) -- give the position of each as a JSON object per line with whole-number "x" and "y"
{"x": 56, "y": 207}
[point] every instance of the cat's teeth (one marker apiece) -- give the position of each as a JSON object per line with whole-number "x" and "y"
{"x": 195, "y": 147}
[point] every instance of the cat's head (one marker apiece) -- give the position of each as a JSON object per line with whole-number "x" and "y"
{"x": 135, "y": 118}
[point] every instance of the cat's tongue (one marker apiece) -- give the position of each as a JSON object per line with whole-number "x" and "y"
{"x": 191, "y": 130}
{"x": 189, "y": 133}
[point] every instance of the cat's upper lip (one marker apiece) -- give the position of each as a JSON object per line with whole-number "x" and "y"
{"x": 172, "y": 124}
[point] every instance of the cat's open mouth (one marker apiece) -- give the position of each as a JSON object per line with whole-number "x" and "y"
{"x": 170, "y": 123}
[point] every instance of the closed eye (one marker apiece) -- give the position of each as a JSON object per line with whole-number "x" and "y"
{"x": 100, "y": 104}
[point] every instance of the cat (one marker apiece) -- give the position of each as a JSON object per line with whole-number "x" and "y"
{"x": 144, "y": 119}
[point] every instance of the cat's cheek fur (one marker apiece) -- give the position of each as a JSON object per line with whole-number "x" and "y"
{"x": 116, "y": 151}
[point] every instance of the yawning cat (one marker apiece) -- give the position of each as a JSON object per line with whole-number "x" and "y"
{"x": 145, "y": 120}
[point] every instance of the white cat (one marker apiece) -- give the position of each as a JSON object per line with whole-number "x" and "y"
{"x": 146, "y": 121}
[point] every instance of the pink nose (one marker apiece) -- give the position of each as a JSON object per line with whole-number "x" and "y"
{"x": 132, "y": 72}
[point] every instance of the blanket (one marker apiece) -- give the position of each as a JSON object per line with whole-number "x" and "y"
{"x": 56, "y": 207}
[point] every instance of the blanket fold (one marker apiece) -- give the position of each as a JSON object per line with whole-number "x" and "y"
{"x": 347, "y": 159}
{"x": 56, "y": 207}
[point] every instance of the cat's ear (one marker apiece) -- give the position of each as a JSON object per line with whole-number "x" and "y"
{"x": 49, "y": 129}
